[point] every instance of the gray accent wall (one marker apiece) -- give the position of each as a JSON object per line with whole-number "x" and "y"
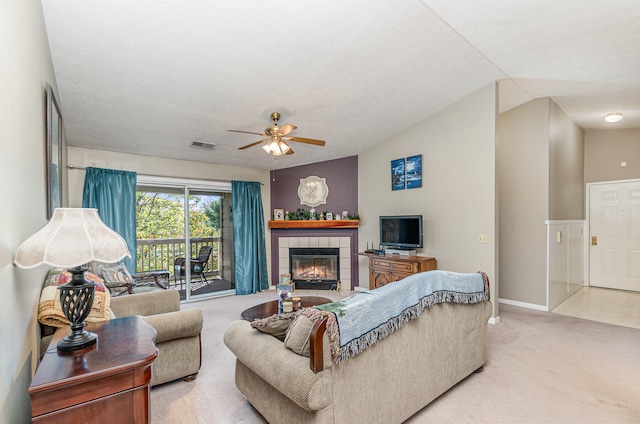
{"x": 541, "y": 165}
{"x": 566, "y": 166}
{"x": 605, "y": 150}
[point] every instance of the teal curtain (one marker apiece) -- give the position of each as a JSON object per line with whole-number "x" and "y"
{"x": 248, "y": 238}
{"x": 113, "y": 193}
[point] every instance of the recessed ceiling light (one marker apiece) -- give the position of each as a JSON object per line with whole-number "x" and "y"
{"x": 613, "y": 117}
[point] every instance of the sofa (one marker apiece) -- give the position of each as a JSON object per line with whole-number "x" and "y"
{"x": 178, "y": 332}
{"x": 398, "y": 374}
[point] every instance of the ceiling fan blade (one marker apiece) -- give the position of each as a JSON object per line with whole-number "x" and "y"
{"x": 306, "y": 140}
{"x": 286, "y": 129}
{"x": 248, "y": 132}
{"x": 289, "y": 152}
{"x": 252, "y": 144}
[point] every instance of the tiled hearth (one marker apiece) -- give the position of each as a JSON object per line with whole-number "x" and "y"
{"x": 345, "y": 240}
{"x": 343, "y": 243}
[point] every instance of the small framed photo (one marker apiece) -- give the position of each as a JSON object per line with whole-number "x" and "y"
{"x": 397, "y": 174}
{"x": 278, "y": 214}
{"x": 413, "y": 171}
{"x": 345, "y": 215}
{"x": 329, "y": 216}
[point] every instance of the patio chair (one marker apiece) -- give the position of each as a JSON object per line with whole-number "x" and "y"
{"x": 198, "y": 265}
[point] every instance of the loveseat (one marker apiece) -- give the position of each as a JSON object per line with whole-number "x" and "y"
{"x": 177, "y": 332}
{"x": 428, "y": 349}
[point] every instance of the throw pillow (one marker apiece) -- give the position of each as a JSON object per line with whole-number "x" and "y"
{"x": 297, "y": 338}
{"x": 96, "y": 267}
{"x": 49, "y": 309}
{"x": 116, "y": 276}
{"x": 275, "y": 325}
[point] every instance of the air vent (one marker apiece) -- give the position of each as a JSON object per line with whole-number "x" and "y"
{"x": 203, "y": 145}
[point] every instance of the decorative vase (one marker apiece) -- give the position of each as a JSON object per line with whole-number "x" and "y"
{"x": 287, "y": 306}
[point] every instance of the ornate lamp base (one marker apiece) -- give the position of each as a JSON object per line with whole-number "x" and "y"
{"x": 76, "y": 300}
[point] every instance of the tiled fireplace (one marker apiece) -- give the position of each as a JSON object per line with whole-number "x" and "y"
{"x": 344, "y": 240}
{"x": 314, "y": 267}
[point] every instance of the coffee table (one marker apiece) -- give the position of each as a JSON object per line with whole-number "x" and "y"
{"x": 267, "y": 309}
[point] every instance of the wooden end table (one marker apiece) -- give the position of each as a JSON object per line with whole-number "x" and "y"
{"x": 267, "y": 309}
{"x": 105, "y": 383}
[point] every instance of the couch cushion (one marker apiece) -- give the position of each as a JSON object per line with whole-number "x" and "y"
{"x": 276, "y": 325}
{"x": 297, "y": 338}
{"x": 116, "y": 276}
{"x": 96, "y": 267}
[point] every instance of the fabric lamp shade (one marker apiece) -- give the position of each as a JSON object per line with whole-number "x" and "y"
{"x": 73, "y": 237}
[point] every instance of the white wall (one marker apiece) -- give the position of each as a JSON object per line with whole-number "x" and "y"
{"x": 150, "y": 165}
{"x": 565, "y": 261}
{"x": 458, "y": 194}
{"x": 25, "y": 67}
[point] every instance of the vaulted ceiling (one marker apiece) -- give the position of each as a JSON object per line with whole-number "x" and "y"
{"x": 150, "y": 77}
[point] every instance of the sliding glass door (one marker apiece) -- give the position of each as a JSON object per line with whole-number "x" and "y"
{"x": 186, "y": 229}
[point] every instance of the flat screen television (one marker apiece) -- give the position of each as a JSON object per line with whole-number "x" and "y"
{"x": 401, "y": 231}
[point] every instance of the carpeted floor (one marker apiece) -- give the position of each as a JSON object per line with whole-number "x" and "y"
{"x": 542, "y": 368}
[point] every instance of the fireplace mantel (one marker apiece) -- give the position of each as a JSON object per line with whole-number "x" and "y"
{"x": 310, "y": 224}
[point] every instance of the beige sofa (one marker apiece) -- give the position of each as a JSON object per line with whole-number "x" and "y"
{"x": 178, "y": 332}
{"x": 386, "y": 383}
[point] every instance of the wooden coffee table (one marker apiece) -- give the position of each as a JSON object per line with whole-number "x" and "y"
{"x": 267, "y": 309}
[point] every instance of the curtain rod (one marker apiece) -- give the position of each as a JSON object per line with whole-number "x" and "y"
{"x": 72, "y": 166}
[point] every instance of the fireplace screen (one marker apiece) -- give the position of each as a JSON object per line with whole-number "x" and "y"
{"x": 314, "y": 264}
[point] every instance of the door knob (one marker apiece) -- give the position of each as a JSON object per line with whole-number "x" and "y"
{"x": 594, "y": 240}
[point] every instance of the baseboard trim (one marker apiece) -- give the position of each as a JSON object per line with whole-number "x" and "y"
{"x": 524, "y": 305}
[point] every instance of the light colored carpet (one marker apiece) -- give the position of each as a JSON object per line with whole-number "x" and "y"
{"x": 542, "y": 368}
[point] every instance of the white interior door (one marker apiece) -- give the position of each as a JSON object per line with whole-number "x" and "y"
{"x": 614, "y": 235}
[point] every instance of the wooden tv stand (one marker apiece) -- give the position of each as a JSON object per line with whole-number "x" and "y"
{"x": 385, "y": 269}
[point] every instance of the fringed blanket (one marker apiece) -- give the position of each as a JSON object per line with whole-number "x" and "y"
{"x": 359, "y": 321}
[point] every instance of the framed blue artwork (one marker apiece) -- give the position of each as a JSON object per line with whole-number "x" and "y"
{"x": 413, "y": 171}
{"x": 397, "y": 174}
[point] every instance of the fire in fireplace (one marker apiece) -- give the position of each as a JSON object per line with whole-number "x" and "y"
{"x": 314, "y": 267}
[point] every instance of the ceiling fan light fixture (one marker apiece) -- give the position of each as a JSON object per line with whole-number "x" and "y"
{"x": 284, "y": 147}
{"x": 613, "y": 117}
{"x": 276, "y": 138}
{"x": 274, "y": 148}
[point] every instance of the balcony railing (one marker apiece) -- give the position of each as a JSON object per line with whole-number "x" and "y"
{"x": 160, "y": 254}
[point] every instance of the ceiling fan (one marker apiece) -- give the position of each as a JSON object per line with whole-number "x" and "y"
{"x": 276, "y": 139}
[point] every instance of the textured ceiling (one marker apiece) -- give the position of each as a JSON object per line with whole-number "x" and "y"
{"x": 149, "y": 77}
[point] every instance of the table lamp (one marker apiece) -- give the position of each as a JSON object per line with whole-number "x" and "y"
{"x": 72, "y": 238}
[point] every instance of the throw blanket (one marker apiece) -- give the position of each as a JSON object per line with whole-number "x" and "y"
{"x": 359, "y": 321}
{"x": 49, "y": 310}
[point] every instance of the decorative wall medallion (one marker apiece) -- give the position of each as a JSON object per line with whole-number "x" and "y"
{"x": 313, "y": 191}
